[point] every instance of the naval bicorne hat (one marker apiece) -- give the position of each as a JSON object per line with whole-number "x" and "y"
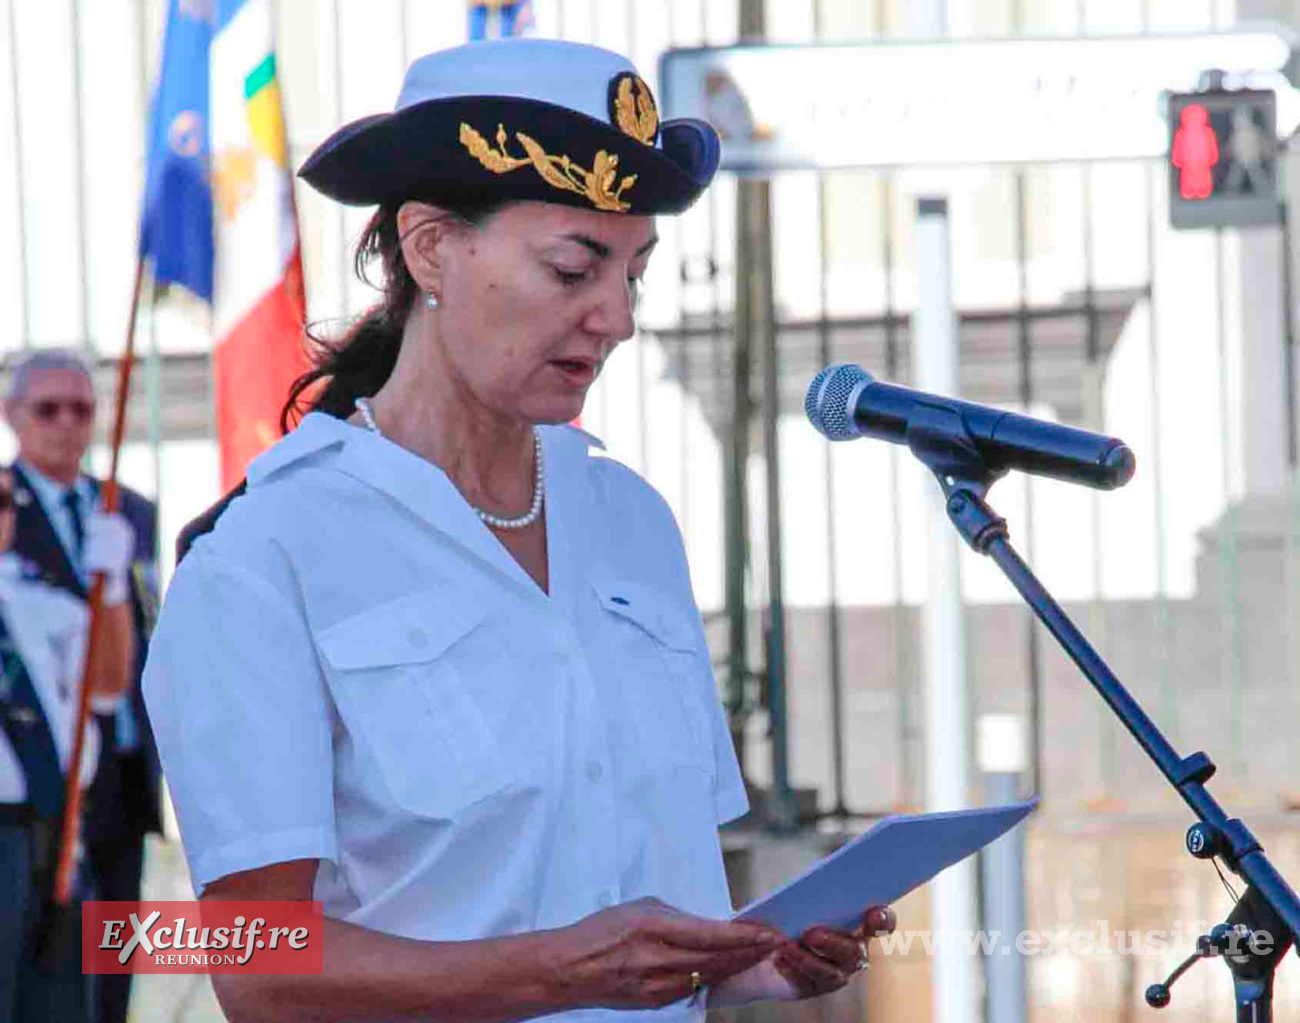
{"x": 520, "y": 119}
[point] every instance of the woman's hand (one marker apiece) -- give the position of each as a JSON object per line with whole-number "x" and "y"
{"x": 821, "y": 961}
{"x": 645, "y": 954}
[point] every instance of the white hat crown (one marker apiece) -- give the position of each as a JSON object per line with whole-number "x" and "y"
{"x": 565, "y": 74}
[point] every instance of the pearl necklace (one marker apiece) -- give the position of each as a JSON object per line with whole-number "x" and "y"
{"x": 495, "y": 521}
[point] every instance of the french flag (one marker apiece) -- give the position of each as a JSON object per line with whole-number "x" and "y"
{"x": 219, "y": 215}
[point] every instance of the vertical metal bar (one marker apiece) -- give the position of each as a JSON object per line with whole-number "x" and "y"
{"x": 1024, "y": 344}
{"x": 1169, "y": 705}
{"x": 1289, "y": 368}
{"x": 947, "y": 691}
{"x": 755, "y": 242}
{"x": 737, "y": 490}
{"x": 153, "y": 390}
{"x": 1003, "y": 878}
{"x": 908, "y": 731}
{"x": 735, "y": 514}
{"x": 737, "y": 481}
{"x": 79, "y": 155}
{"x": 1292, "y": 637}
{"x": 1094, "y": 399}
{"x": 836, "y": 675}
{"x": 1231, "y": 652}
{"x": 761, "y": 222}
{"x": 1094, "y": 385}
{"x": 1024, "y": 349}
{"x": 153, "y": 369}
{"x": 404, "y": 33}
{"x": 20, "y": 228}
{"x": 682, "y": 353}
{"x": 342, "y": 262}
{"x": 1288, "y": 333}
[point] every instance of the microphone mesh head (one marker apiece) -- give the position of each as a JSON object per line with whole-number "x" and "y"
{"x": 830, "y": 395}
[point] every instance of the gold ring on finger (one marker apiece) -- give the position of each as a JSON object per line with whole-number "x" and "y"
{"x": 863, "y": 962}
{"x": 697, "y": 982}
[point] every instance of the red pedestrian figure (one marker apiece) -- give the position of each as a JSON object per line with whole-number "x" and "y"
{"x": 1195, "y": 152}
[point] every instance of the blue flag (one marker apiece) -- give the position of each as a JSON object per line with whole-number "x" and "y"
{"x": 499, "y": 19}
{"x": 176, "y": 224}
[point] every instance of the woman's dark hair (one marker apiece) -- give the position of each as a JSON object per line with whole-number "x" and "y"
{"x": 358, "y": 363}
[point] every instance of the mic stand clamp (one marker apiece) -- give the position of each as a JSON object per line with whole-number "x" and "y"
{"x": 1264, "y": 923}
{"x": 1257, "y": 941}
{"x": 938, "y": 437}
{"x": 1249, "y": 945}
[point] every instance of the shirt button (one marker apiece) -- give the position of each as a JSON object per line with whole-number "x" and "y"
{"x": 417, "y": 638}
{"x": 594, "y": 770}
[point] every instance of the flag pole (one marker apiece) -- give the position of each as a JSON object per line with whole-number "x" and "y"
{"x": 72, "y": 783}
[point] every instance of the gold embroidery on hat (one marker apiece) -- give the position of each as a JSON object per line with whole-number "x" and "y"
{"x": 635, "y": 112}
{"x": 560, "y": 172}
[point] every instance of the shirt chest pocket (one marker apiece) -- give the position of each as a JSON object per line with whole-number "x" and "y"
{"x": 662, "y": 675}
{"x": 400, "y": 676}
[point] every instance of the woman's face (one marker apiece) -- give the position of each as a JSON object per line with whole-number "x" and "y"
{"x": 533, "y": 302}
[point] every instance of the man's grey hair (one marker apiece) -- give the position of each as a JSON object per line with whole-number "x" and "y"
{"x": 38, "y": 361}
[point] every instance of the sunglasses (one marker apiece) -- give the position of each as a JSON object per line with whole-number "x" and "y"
{"x": 47, "y": 409}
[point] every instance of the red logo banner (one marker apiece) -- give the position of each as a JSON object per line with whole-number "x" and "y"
{"x": 201, "y": 937}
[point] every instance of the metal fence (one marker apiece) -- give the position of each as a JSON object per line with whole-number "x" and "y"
{"x": 1075, "y": 301}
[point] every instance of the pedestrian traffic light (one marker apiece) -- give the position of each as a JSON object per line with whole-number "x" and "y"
{"x": 1223, "y": 158}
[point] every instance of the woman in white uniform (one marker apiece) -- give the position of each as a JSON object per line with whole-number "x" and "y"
{"x": 440, "y": 666}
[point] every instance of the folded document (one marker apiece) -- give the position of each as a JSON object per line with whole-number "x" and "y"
{"x": 882, "y": 865}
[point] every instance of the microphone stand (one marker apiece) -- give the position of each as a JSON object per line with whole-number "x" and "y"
{"x": 1266, "y": 921}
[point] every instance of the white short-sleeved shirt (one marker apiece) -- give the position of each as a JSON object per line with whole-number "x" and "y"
{"x": 47, "y": 629}
{"x": 350, "y": 666}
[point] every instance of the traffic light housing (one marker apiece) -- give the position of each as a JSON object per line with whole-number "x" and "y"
{"x": 1223, "y": 159}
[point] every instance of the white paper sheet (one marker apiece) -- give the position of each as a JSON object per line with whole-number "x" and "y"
{"x": 880, "y": 866}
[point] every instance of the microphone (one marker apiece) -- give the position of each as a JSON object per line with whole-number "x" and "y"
{"x": 845, "y": 402}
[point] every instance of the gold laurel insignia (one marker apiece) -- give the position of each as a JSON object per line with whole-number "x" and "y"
{"x": 557, "y": 171}
{"x": 552, "y": 174}
{"x": 497, "y": 162}
{"x": 634, "y": 110}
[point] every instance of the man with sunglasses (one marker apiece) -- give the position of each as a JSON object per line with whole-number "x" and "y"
{"x": 51, "y": 409}
{"x": 43, "y": 634}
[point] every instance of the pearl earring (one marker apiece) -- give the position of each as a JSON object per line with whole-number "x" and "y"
{"x": 431, "y": 301}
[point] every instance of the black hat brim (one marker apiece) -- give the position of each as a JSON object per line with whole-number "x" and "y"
{"x": 418, "y": 153}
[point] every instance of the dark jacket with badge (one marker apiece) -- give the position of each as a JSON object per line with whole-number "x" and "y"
{"x": 37, "y": 543}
